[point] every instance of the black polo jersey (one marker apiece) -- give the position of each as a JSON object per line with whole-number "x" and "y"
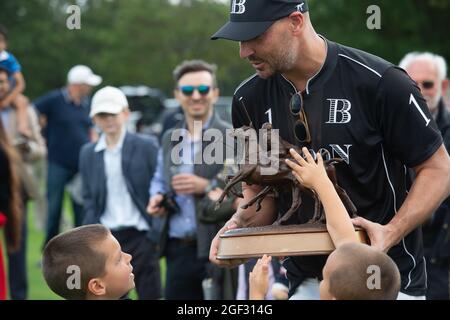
{"x": 366, "y": 111}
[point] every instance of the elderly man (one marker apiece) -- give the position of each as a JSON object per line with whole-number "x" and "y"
{"x": 68, "y": 128}
{"x": 361, "y": 109}
{"x": 429, "y": 71}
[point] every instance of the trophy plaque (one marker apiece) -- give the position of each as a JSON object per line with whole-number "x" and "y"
{"x": 279, "y": 241}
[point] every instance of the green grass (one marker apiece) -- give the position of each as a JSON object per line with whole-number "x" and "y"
{"x": 37, "y": 288}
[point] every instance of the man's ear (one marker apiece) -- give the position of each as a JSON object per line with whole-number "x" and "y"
{"x": 96, "y": 287}
{"x": 95, "y": 120}
{"x": 297, "y": 22}
{"x": 216, "y": 94}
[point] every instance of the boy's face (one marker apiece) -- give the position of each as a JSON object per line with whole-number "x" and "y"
{"x": 3, "y": 43}
{"x": 119, "y": 278}
{"x": 324, "y": 287}
{"x": 111, "y": 124}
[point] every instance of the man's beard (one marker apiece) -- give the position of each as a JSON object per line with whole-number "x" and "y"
{"x": 283, "y": 61}
{"x": 433, "y": 102}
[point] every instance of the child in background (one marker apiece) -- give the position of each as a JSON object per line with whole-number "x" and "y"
{"x": 15, "y": 98}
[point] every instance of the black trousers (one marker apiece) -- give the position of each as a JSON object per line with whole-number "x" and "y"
{"x": 145, "y": 262}
{"x": 17, "y": 265}
{"x": 185, "y": 272}
{"x": 437, "y": 280}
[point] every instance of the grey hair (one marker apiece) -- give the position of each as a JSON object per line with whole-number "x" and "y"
{"x": 437, "y": 60}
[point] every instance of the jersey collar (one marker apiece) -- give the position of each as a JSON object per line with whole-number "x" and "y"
{"x": 321, "y": 77}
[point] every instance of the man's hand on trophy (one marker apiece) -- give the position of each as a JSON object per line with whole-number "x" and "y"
{"x": 380, "y": 236}
{"x": 231, "y": 224}
{"x": 154, "y": 207}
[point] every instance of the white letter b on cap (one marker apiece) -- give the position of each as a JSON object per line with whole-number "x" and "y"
{"x": 238, "y": 7}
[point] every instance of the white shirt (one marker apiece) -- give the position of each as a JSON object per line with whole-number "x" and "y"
{"x": 120, "y": 210}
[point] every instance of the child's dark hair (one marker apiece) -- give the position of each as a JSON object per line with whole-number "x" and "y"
{"x": 76, "y": 247}
{"x": 3, "y": 32}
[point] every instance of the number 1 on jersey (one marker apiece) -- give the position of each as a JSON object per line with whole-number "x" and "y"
{"x": 269, "y": 115}
{"x": 414, "y": 101}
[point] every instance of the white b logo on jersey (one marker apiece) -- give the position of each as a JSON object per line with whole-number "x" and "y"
{"x": 237, "y": 7}
{"x": 340, "y": 106}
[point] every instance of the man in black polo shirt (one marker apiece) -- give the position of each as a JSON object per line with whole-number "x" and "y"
{"x": 68, "y": 128}
{"x": 361, "y": 109}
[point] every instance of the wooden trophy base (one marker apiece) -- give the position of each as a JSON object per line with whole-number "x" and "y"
{"x": 279, "y": 241}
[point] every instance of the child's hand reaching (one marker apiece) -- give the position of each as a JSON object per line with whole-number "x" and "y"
{"x": 309, "y": 173}
{"x": 259, "y": 279}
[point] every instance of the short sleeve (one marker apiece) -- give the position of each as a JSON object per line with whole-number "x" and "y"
{"x": 408, "y": 129}
{"x": 43, "y": 104}
{"x": 235, "y": 114}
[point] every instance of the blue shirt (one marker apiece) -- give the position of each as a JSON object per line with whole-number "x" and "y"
{"x": 9, "y": 62}
{"x": 182, "y": 224}
{"x": 68, "y": 127}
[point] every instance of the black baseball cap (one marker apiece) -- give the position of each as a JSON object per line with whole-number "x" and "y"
{"x": 251, "y": 18}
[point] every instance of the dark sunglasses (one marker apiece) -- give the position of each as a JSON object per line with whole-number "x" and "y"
{"x": 189, "y": 90}
{"x": 427, "y": 85}
{"x": 301, "y": 128}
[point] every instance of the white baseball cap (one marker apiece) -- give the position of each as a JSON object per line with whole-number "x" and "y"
{"x": 108, "y": 100}
{"x": 80, "y": 74}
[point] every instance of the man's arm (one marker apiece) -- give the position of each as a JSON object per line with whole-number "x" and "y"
{"x": 249, "y": 217}
{"x": 158, "y": 186}
{"x": 429, "y": 189}
{"x": 38, "y": 149}
{"x": 244, "y": 219}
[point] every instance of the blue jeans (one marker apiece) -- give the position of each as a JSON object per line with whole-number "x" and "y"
{"x": 57, "y": 178}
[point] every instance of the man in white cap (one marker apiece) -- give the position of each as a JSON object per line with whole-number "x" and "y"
{"x": 116, "y": 173}
{"x": 68, "y": 127}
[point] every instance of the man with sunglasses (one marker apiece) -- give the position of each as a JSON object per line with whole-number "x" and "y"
{"x": 179, "y": 177}
{"x": 346, "y": 104}
{"x": 429, "y": 71}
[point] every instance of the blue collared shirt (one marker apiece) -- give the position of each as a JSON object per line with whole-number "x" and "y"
{"x": 68, "y": 127}
{"x": 182, "y": 224}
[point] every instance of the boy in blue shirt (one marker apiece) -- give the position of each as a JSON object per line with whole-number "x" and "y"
{"x": 15, "y": 97}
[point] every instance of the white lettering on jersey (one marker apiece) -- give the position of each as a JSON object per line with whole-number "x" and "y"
{"x": 412, "y": 100}
{"x": 238, "y": 7}
{"x": 269, "y": 115}
{"x": 341, "y": 106}
{"x": 326, "y": 155}
{"x": 344, "y": 155}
